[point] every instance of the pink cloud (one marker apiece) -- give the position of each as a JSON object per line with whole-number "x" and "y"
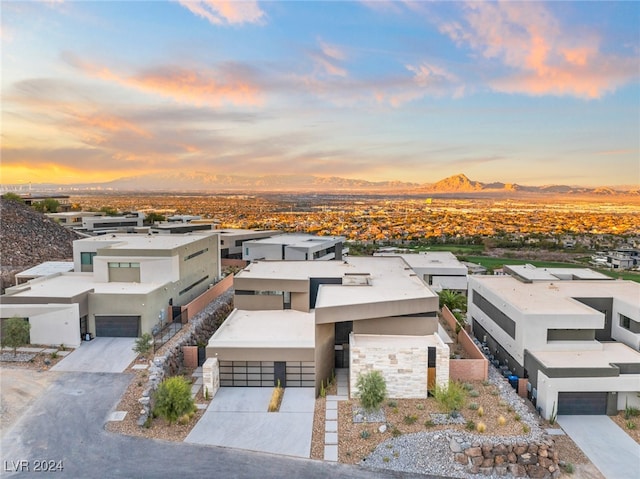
{"x": 546, "y": 58}
{"x": 228, "y": 84}
{"x": 220, "y": 12}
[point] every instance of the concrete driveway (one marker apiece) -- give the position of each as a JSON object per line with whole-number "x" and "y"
{"x": 101, "y": 355}
{"x": 66, "y": 424}
{"x": 610, "y": 449}
{"x": 238, "y": 418}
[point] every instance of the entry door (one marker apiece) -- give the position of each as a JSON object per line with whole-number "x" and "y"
{"x": 280, "y": 373}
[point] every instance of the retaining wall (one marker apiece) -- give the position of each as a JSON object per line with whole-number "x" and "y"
{"x": 477, "y": 366}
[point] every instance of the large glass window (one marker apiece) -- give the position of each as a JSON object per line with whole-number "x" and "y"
{"x": 629, "y": 324}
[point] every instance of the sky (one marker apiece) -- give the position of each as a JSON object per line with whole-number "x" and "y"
{"x": 530, "y": 93}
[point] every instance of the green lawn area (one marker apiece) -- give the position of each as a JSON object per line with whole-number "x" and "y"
{"x": 454, "y": 248}
{"x": 493, "y": 263}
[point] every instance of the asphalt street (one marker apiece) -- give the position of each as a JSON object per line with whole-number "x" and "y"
{"x": 67, "y": 424}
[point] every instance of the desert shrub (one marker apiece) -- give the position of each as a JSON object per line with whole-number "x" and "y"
{"x": 467, "y": 386}
{"x": 480, "y": 411}
{"x": 517, "y": 417}
{"x": 486, "y": 383}
{"x": 481, "y": 427}
{"x": 630, "y": 425}
{"x": 630, "y": 411}
{"x": 410, "y": 419}
{"x": 473, "y": 406}
{"x": 395, "y": 432}
{"x": 525, "y": 429}
{"x": 450, "y": 398}
{"x": 365, "y": 434}
{"x": 385, "y": 459}
{"x": 420, "y": 407}
{"x": 173, "y": 399}
{"x": 502, "y": 421}
{"x": 392, "y": 403}
{"x": 372, "y": 390}
{"x": 429, "y": 423}
{"x": 471, "y": 426}
{"x": 143, "y": 344}
{"x": 568, "y": 467}
{"x": 473, "y": 393}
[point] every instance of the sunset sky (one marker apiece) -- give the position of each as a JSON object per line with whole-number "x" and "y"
{"x": 532, "y": 93}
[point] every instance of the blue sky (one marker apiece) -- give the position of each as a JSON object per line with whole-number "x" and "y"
{"x": 531, "y": 93}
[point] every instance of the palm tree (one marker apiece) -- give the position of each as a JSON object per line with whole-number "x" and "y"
{"x": 452, "y": 300}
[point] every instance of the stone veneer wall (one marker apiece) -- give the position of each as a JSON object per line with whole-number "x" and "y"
{"x": 521, "y": 459}
{"x": 404, "y": 369}
{"x": 210, "y": 377}
{"x": 198, "y": 330}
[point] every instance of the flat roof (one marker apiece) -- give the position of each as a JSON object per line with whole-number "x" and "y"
{"x": 553, "y": 297}
{"x": 390, "y": 279}
{"x": 533, "y": 273}
{"x": 429, "y": 259}
{"x": 47, "y": 268}
{"x": 240, "y": 231}
{"x": 611, "y": 353}
{"x": 67, "y": 285}
{"x": 394, "y": 341}
{"x": 266, "y": 329}
{"x": 300, "y": 240}
{"x": 146, "y": 241}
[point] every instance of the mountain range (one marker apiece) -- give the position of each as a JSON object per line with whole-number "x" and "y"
{"x": 202, "y": 182}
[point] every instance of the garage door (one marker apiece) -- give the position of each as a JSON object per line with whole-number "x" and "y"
{"x": 582, "y": 403}
{"x": 263, "y": 373}
{"x": 118, "y": 326}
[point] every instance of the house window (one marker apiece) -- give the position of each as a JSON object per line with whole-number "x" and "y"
{"x": 197, "y": 253}
{"x": 193, "y": 285}
{"x": 87, "y": 258}
{"x": 124, "y": 265}
{"x": 629, "y": 324}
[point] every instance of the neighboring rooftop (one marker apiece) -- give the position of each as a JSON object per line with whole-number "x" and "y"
{"x": 145, "y": 242}
{"x": 553, "y": 297}
{"x": 610, "y": 353}
{"x": 68, "y": 285}
{"x": 298, "y": 240}
{"x": 45, "y": 269}
{"x": 529, "y": 273}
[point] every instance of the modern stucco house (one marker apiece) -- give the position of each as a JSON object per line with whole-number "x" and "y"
{"x": 439, "y": 269}
{"x": 122, "y": 285}
{"x": 295, "y": 321}
{"x": 295, "y": 247}
{"x": 573, "y": 333}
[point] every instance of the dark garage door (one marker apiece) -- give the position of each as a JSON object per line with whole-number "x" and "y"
{"x": 582, "y": 403}
{"x": 118, "y": 326}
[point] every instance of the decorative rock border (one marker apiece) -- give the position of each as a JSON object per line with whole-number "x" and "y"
{"x": 200, "y": 329}
{"x": 535, "y": 459}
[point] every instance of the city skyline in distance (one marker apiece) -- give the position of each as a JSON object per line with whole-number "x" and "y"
{"x": 407, "y": 92}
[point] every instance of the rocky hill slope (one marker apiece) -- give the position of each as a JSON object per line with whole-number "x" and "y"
{"x": 28, "y": 238}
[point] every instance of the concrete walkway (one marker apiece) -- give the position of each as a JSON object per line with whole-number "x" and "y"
{"x": 101, "y": 355}
{"x": 238, "y": 418}
{"x": 331, "y": 415}
{"x": 610, "y": 449}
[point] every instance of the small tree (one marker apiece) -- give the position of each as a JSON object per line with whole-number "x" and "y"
{"x": 153, "y": 217}
{"x": 143, "y": 344}
{"x": 173, "y": 399}
{"x": 372, "y": 389}
{"x": 13, "y": 197}
{"x": 15, "y": 333}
